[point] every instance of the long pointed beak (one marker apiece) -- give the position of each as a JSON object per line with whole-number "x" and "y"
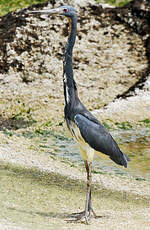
{"x": 51, "y": 11}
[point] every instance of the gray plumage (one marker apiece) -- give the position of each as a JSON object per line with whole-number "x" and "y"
{"x": 90, "y": 134}
{"x": 97, "y": 136}
{"x": 90, "y": 128}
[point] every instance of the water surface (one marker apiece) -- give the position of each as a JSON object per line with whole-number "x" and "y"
{"x": 135, "y": 143}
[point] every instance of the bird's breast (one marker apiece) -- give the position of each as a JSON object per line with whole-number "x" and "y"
{"x": 75, "y": 133}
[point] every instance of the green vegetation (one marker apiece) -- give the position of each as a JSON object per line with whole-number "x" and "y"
{"x": 115, "y": 2}
{"x": 107, "y": 126}
{"x": 111, "y": 125}
{"x": 12, "y": 5}
{"x": 140, "y": 179}
{"x": 124, "y": 125}
{"x": 146, "y": 122}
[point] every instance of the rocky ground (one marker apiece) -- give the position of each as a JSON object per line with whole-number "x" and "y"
{"x": 111, "y": 63}
{"x": 111, "y": 68}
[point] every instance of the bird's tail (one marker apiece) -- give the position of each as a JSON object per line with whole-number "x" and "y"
{"x": 127, "y": 159}
{"x": 121, "y": 159}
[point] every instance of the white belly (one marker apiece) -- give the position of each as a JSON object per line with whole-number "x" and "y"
{"x": 86, "y": 151}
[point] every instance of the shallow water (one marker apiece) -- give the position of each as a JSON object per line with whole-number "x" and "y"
{"x": 135, "y": 143}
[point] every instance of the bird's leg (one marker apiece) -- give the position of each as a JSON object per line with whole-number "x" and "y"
{"x": 88, "y": 193}
{"x": 86, "y": 214}
{"x": 88, "y": 204}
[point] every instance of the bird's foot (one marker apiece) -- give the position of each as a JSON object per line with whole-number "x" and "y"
{"x": 82, "y": 216}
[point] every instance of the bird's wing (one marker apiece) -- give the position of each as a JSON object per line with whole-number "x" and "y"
{"x": 99, "y": 139}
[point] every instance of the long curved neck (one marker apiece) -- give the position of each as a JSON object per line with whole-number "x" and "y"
{"x": 70, "y": 91}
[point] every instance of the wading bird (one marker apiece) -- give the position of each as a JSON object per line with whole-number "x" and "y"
{"x": 89, "y": 133}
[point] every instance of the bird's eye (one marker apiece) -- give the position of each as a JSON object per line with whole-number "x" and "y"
{"x": 65, "y": 10}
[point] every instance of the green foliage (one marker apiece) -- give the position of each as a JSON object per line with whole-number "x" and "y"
{"x": 98, "y": 172}
{"x": 115, "y": 2}
{"x": 124, "y": 125}
{"x": 146, "y": 122}
{"x": 8, "y": 133}
{"x": 107, "y": 126}
{"x": 12, "y": 5}
{"x": 140, "y": 179}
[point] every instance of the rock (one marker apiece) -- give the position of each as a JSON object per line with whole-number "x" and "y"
{"x": 111, "y": 58}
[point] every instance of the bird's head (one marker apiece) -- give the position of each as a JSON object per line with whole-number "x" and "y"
{"x": 67, "y": 11}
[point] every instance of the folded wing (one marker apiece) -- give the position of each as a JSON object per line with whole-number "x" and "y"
{"x": 99, "y": 139}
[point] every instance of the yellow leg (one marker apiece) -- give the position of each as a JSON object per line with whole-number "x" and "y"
{"x": 87, "y": 155}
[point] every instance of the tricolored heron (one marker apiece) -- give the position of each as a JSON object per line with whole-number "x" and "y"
{"x": 89, "y": 133}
